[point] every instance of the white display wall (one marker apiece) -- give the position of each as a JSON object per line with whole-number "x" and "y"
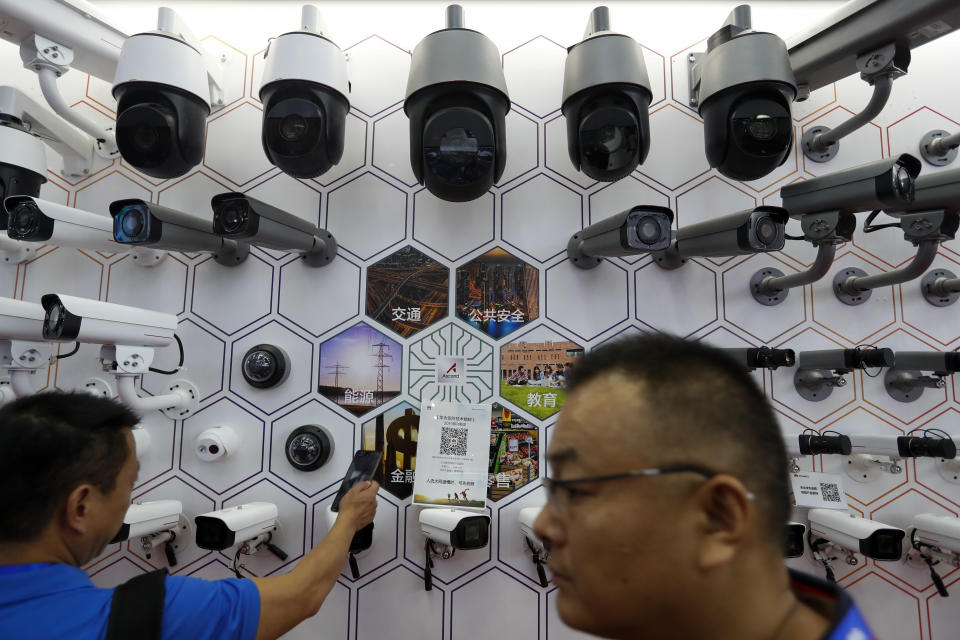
{"x": 371, "y": 203}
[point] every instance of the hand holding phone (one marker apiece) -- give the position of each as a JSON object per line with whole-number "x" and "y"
{"x": 362, "y": 468}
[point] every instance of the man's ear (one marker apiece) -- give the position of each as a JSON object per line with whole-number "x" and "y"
{"x": 78, "y": 509}
{"x": 728, "y": 511}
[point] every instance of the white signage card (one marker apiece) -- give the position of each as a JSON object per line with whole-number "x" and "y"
{"x": 453, "y": 451}
{"x": 818, "y": 490}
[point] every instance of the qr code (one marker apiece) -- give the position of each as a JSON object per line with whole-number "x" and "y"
{"x": 829, "y": 492}
{"x": 453, "y": 441}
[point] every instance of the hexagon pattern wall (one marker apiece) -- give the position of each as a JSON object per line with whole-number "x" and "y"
{"x": 382, "y": 218}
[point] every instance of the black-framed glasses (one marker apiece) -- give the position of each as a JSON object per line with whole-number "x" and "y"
{"x": 554, "y": 496}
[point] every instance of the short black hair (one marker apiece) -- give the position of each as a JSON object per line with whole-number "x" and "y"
{"x": 712, "y": 407}
{"x": 49, "y": 444}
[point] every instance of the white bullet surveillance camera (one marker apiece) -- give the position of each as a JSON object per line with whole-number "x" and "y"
{"x": 219, "y": 530}
{"x": 216, "y": 443}
{"x": 305, "y": 94}
{"x": 912, "y": 445}
{"x": 21, "y": 320}
{"x": 455, "y": 528}
{"x": 640, "y": 229}
{"x": 140, "y": 223}
{"x": 936, "y": 530}
{"x": 156, "y": 522}
{"x": 69, "y": 319}
{"x": 31, "y": 219}
{"x": 855, "y": 534}
{"x": 811, "y": 443}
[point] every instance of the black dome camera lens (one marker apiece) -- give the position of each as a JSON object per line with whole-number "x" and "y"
{"x": 293, "y": 127}
{"x": 144, "y": 134}
{"x": 265, "y": 366}
{"x": 458, "y": 147}
{"x": 762, "y": 127}
{"x": 308, "y": 447}
{"x": 146, "y": 138}
{"x": 609, "y": 142}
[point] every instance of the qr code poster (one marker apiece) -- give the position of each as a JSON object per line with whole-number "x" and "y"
{"x": 452, "y": 455}
{"x": 818, "y": 490}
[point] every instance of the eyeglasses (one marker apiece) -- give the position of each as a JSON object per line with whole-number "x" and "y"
{"x": 560, "y": 500}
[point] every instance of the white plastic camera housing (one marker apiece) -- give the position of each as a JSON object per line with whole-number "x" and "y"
{"x": 455, "y": 528}
{"x": 859, "y": 535}
{"x": 20, "y": 320}
{"x": 146, "y": 518}
{"x": 69, "y": 319}
{"x": 936, "y": 530}
{"x": 141, "y": 441}
{"x": 222, "y": 529}
{"x": 34, "y": 220}
{"x": 216, "y": 443}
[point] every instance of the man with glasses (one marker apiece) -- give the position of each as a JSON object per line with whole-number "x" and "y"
{"x": 668, "y": 501}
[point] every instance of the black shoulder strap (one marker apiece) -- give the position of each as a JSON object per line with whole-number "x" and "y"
{"x": 136, "y": 612}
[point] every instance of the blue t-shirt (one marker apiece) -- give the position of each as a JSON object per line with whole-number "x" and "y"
{"x": 846, "y": 621}
{"x": 59, "y": 601}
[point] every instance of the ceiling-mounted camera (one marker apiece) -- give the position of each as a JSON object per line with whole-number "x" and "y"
{"x": 240, "y": 217}
{"x": 743, "y": 87}
{"x": 640, "y": 229}
{"x": 457, "y": 102}
{"x": 305, "y": 95}
{"x": 164, "y": 85}
{"x": 606, "y": 93}
{"x": 265, "y": 366}
{"x": 308, "y": 447}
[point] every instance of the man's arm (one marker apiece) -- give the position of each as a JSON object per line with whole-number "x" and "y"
{"x": 287, "y": 600}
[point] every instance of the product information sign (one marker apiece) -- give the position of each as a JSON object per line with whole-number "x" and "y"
{"x": 818, "y": 490}
{"x": 453, "y": 451}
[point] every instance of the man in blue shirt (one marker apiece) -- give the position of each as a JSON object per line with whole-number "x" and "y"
{"x": 67, "y": 468}
{"x": 668, "y": 501}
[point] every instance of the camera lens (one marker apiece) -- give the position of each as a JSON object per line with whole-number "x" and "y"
{"x": 762, "y": 127}
{"x": 132, "y": 221}
{"x": 233, "y": 216}
{"x": 144, "y": 134}
{"x": 304, "y": 450}
{"x": 259, "y": 366}
{"x": 54, "y": 321}
{"x": 213, "y": 449}
{"x": 767, "y": 231}
{"x": 903, "y": 183}
{"x": 293, "y": 126}
{"x": 265, "y": 366}
{"x": 609, "y": 142}
{"x": 23, "y": 220}
{"x": 648, "y": 231}
{"x": 308, "y": 447}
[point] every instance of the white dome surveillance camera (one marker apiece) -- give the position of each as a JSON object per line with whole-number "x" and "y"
{"x": 216, "y": 443}
{"x": 305, "y": 100}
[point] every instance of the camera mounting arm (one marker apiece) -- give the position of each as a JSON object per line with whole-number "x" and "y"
{"x": 125, "y": 363}
{"x": 23, "y": 358}
{"x": 770, "y": 286}
{"x": 50, "y": 60}
{"x": 926, "y": 230}
{"x": 15, "y": 251}
{"x": 75, "y": 147}
{"x": 905, "y": 382}
{"x": 939, "y": 148}
{"x": 819, "y": 372}
{"x": 940, "y": 287}
{"x": 879, "y": 68}
{"x": 170, "y": 21}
